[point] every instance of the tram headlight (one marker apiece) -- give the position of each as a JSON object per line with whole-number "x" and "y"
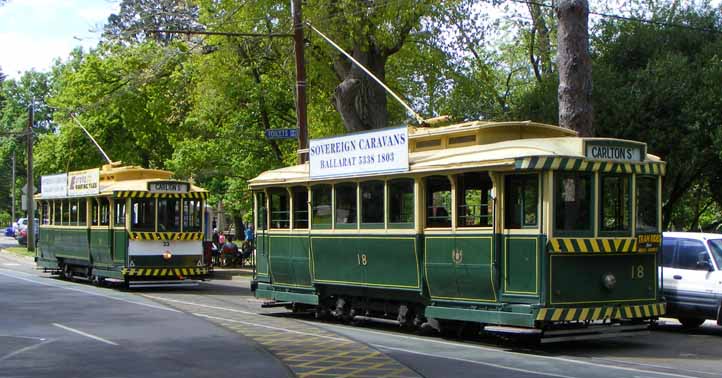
{"x": 167, "y": 255}
{"x": 609, "y": 281}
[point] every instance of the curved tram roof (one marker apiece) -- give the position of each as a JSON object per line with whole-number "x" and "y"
{"x": 497, "y": 145}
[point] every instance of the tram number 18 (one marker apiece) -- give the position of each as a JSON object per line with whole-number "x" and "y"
{"x": 637, "y": 272}
{"x": 362, "y": 259}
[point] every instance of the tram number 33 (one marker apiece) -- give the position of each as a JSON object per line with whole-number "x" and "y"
{"x": 362, "y": 259}
{"x": 637, "y": 272}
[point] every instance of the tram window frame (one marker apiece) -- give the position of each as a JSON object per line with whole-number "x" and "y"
{"x": 350, "y": 197}
{"x": 300, "y": 207}
{"x": 429, "y": 203}
{"x": 375, "y": 204}
{"x": 57, "y": 212}
{"x": 135, "y": 204}
{"x": 526, "y": 181}
{"x": 104, "y": 216}
{"x": 465, "y": 181}
{"x": 192, "y": 215}
{"x": 262, "y": 211}
{"x": 626, "y": 178}
{"x": 45, "y": 213}
{"x": 83, "y": 212}
{"x": 399, "y": 203}
{"x": 168, "y": 220}
{"x": 559, "y": 177}
{"x": 282, "y": 223}
{"x": 66, "y": 213}
{"x": 74, "y": 212}
{"x": 317, "y": 207}
{"x": 94, "y": 212}
{"x": 638, "y": 215}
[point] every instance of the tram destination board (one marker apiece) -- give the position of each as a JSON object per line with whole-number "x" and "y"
{"x": 281, "y": 133}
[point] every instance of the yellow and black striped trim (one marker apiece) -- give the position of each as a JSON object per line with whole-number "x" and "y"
{"x": 163, "y": 272}
{"x": 165, "y": 235}
{"x": 580, "y": 164}
{"x": 145, "y": 194}
{"x": 590, "y": 245}
{"x": 601, "y": 313}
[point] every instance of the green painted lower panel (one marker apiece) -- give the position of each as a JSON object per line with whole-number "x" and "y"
{"x": 460, "y": 267}
{"x": 262, "y": 257}
{"x": 289, "y": 260}
{"x": 101, "y": 246}
{"x": 108, "y": 273}
{"x": 120, "y": 246}
{"x": 481, "y": 316}
{"x": 521, "y": 264}
{"x": 579, "y": 278}
{"x": 66, "y": 243}
{"x": 46, "y": 263}
{"x": 367, "y": 260}
{"x": 284, "y": 296}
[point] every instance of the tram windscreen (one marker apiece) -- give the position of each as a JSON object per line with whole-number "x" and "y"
{"x": 401, "y": 202}
{"x": 615, "y": 203}
{"x": 169, "y": 215}
{"x": 438, "y": 201}
{"x": 119, "y": 213}
{"x": 143, "y": 214}
{"x": 573, "y": 201}
{"x": 192, "y": 215}
{"x": 280, "y": 215}
{"x": 262, "y": 218}
{"x": 647, "y": 204}
{"x": 300, "y": 207}
{"x": 321, "y": 206}
{"x": 346, "y": 204}
{"x": 372, "y": 203}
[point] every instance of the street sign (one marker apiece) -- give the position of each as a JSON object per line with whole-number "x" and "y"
{"x": 25, "y": 189}
{"x": 281, "y": 133}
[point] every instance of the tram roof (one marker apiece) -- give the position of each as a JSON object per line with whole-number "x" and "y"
{"x": 506, "y": 143}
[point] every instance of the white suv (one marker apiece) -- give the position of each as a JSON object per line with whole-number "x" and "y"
{"x": 692, "y": 276}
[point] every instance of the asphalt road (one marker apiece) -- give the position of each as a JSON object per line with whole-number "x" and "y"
{"x": 220, "y": 330}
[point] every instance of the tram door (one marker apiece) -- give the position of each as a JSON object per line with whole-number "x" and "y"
{"x": 520, "y": 235}
{"x": 262, "y": 236}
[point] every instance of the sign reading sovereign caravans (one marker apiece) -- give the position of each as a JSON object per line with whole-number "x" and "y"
{"x": 84, "y": 183}
{"x": 378, "y": 151}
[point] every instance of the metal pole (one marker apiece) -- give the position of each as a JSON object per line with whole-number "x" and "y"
{"x": 13, "y": 192}
{"x": 301, "y": 117}
{"x": 30, "y": 191}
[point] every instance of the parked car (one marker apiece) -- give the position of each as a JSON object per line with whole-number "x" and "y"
{"x": 9, "y": 231}
{"x": 692, "y": 276}
{"x": 18, "y": 224}
{"x": 22, "y": 237}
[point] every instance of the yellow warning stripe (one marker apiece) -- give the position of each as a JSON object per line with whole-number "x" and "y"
{"x": 580, "y": 164}
{"x": 586, "y": 245}
{"x": 166, "y": 235}
{"x": 146, "y": 194}
{"x": 601, "y": 313}
{"x": 163, "y": 272}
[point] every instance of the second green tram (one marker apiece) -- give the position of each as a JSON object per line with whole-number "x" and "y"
{"x": 512, "y": 227}
{"x": 122, "y": 223}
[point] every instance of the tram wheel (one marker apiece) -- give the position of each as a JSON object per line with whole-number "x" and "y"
{"x": 690, "y": 323}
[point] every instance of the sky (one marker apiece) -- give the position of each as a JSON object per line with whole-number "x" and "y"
{"x": 33, "y": 33}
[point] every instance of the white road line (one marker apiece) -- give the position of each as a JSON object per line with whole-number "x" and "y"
{"x": 11, "y": 264}
{"x": 716, "y": 374}
{"x": 271, "y": 327}
{"x": 385, "y": 347}
{"x": 526, "y": 355}
{"x": 201, "y": 305}
{"x": 12, "y": 275}
{"x": 27, "y": 348}
{"x": 102, "y": 340}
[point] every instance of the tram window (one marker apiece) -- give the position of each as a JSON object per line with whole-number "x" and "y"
{"x": 300, "y": 207}
{"x": 119, "y": 215}
{"x": 573, "y": 201}
{"x": 45, "y": 210}
{"x": 521, "y": 201}
{"x": 57, "y": 212}
{"x": 74, "y": 213}
{"x": 105, "y": 212}
{"x": 66, "y": 213}
{"x": 346, "y": 205}
{"x": 169, "y": 215}
{"x": 94, "y": 212}
{"x": 372, "y": 203}
{"x": 321, "y": 206}
{"x": 438, "y": 201}
{"x": 473, "y": 198}
{"x": 279, "y": 208}
{"x": 142, "y": 216}
{"x": 192, "y": 215}
{"x": 647, "y": 202}
{"x": 401, "y": 202}
{"x": 615, "y": 204}
{"x": 262, "y": 211}
{"x": 82, "y": 212}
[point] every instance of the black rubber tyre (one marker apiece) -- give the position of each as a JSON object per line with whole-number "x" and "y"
{"x": 691, "y": 323}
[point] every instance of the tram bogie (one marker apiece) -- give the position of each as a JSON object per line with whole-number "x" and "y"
{"x": 512, "y": 227}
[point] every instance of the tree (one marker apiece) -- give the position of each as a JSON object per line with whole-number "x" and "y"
{"x": 575, "y": 68}
{"x": 137, "y": 18}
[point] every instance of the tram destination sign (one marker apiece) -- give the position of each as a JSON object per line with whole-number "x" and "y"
{"x": 54, "y": 186}
{"x": 168, "y": 187}
{"x": 607, "y": 150}
{"x": 379, "y": 151}
{"x": 281, "y": 133}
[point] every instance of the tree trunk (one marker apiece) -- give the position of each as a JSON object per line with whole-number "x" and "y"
{"x": 360, "y": 101}
{"x": 574, "y": 66}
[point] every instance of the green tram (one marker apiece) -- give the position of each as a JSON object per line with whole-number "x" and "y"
{"x": 510, "y": 227}
{"x": 122, "y": 223}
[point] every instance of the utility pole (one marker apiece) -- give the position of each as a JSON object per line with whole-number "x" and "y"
{"x": 13, "y": 192}
{"x": 301, "y": 117}
{"x": 30, "y": 192}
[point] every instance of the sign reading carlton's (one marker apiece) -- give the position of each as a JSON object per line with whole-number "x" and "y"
{"x": 385, "y": 150}
{"x": 84, "y": 183}
{"x": 54, "y": 186}
{"x": 168, "y": 187}
{"x": 608, "y": 150}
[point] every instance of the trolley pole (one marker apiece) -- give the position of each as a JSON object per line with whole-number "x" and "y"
{"x": 29, "y": 198}
{"x": 301, "y": 117}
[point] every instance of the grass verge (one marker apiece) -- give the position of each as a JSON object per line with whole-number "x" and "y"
{"x": 20, "y": 251}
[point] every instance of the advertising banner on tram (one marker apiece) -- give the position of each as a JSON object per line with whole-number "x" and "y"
{"x": 84, "y": 183}
{"x": 378, "y": 151}
{"x": 54, "y": 186}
